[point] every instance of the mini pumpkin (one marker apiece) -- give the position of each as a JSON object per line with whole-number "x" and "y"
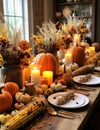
{"x": 22, "y": 97}
{"x": 5, "y": 101}
{"x": 4, "y": 118}
{"x": 46, "y": 61}
{"x": 12, "y": 88}
{"x": 56, "y": 86}
{"x": 19, "y": 105}
{"x": 14, "y": 112}
{"x": 39, "y": 90}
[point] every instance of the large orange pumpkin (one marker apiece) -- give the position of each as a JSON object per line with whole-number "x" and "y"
{"x": 5, "y": 101}
{"x": 78, "y": 55}
{"x": 12, "y": 88}
{"x": 46, "y": 61}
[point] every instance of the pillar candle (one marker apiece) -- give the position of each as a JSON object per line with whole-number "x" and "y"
{"x": 68, "y": 58}
{"x": 49, "y": 76}
{"x": 77, "y": 39}
{"x": 35, "y": 76}
{"x": 91, "y": 50}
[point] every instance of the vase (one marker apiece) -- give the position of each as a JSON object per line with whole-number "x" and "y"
{"x": 13, "y": 74}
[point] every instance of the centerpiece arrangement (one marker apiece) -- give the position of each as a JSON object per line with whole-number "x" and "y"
{"x": 14, "y": 56}
{"x": 50, "y": 73}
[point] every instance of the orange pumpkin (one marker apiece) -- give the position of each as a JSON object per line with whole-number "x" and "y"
{"x": 12, "y": 88}
{"x": 46, "y": 61}
{"x": 5, "y": 101}
{"x": 78, "y": 55}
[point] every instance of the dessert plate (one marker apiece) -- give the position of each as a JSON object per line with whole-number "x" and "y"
{"x": 77, "y": 101}
{"x": 93, "y": 81}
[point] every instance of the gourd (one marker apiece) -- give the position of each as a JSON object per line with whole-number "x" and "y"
{"x": 12, "y": 88}
{"x": 4, "y": 118}
{"x": 41, "y": 89}
{"x": 93, "y": 59}
{"x": 31, "y": 110}
{"x": 5, "y": 101}
{"x": 23, "y": 97}
{"x": 56, "y": 86}
{"x": 14, "y": 112}
{"x": 78, "y": 55}
{"x": 83, "y": 70}
{"x": 46, "y": 61}
{"x": 19, "y": 105}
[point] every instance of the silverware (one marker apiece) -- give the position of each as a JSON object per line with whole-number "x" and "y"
{"x": 81, "y": 92}
{"x": 68, "y": 113}
{"x": 84, "y": 88}
{"x": 52, "y": 112}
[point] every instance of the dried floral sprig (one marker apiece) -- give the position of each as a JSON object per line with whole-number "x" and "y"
{"x": 75, "y": 25}
{"x": 13, "y": 34}
{"x": 49, "y": 32}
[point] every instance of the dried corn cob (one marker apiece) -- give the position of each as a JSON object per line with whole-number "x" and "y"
{"x": 24, "y": 115}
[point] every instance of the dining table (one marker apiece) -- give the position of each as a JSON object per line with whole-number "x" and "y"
{"x": 45, "y": 121}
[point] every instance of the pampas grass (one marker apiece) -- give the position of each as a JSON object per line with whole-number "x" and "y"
{"x": 13, "y": 34}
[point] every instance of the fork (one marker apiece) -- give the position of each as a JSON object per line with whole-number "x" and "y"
{"x": 53, "y": 112}
{"x": 84, "y": 88}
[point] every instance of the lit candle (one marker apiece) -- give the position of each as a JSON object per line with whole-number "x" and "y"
{"x": 68, "y": 58}
{"x": 77, "y": 38}
{"x": 35, "y": 76}
{"x": 91, "y": 50}
{"x": 49, "y": 76}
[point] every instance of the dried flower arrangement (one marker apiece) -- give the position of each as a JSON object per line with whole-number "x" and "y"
{"x": 12, "y": 51}
{"x": 48, "y": 39}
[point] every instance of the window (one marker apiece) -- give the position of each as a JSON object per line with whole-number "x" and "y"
{"x": 16, "y": 14}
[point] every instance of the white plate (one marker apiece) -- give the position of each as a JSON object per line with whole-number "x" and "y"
{"x": 97, "y": 68}
{"x": 78, "y": 101}
{"x": 93, "y": 81}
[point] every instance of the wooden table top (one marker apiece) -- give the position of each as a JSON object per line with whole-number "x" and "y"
{"x": 47, "y": 122}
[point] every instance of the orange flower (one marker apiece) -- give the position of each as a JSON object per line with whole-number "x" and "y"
{"x": 24, "y": 45}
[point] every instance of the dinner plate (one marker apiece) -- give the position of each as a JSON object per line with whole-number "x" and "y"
{"x": 77, "y": 101}
{"x": 93, "y": 81}
{"x": 97, "y": 68}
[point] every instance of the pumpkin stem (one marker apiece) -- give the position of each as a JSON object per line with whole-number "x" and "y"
{"x": 24, "y": 91}
{"x": 56, "y": 81}
{"x": 64, "y": 68}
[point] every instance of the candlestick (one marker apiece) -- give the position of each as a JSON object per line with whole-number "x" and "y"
{"x": 68, "y": 58}
{"x": 35, "y": 76}
{"x": 91, "y": 50}
{"x": 49, "y": 76}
